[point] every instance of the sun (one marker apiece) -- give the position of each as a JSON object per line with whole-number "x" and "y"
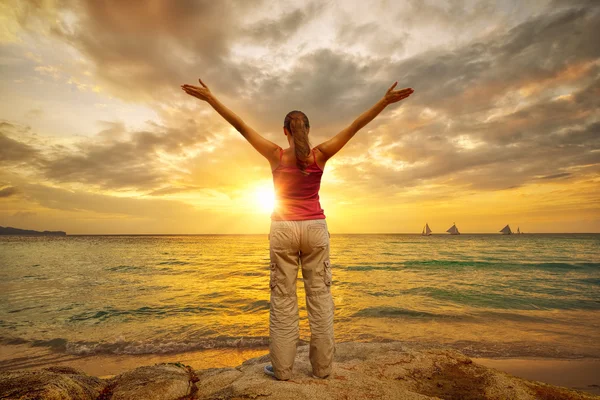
{"x": 265, "y": 198}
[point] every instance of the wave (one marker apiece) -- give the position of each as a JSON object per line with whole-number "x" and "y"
{"x": 499, "y": 265}
{"x": 497, "y": 299}
{"x": 25, "y": 309}
{"x": 483, "y": 316}
{"x": 372, "y": 268}
{"x": 174, "y": 262}
{"x": 593, "y": 281}
{"x": 479, "y": 348}
{"x": 123, "y": 268}
{"x": 151, "y": 346}
{"x": 460, "y": 264}
{"x": 515, "y": 317}
{"x": 386, "y": 312}
{"x": 259, "y": 305}
{"x": 143, "y": 312}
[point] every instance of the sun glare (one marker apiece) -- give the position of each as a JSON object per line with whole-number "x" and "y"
{"x": 265, "y": 198}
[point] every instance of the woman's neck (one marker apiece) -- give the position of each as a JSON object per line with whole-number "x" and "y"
{"x": 291, "y": 143}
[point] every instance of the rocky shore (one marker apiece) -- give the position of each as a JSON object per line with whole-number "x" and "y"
{"x": 389, "y": 370}
{"x": 9, "y": 230}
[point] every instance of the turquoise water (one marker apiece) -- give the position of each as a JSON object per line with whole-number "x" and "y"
{"x": 486, "y": 295}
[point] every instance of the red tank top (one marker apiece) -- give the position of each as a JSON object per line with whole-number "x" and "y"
{"x": 296, "y": 194}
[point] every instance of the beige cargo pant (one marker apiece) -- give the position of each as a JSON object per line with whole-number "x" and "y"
{"x": 305, "y": 243}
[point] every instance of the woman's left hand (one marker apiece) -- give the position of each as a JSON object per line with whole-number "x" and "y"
{"x": 203, "y": 93}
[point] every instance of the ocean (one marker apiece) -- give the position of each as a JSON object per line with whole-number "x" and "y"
{"x": 531, "y": 295}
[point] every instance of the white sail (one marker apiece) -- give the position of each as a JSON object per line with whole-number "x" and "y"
{"x": 506, "y": 230}
{"x": 453, "y": 230}
{"x": 426, "y": 230}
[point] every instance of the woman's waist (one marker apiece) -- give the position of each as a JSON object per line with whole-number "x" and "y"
{"x": 297, "y": 213}
{"x": 297, "y": 204}
{"x": 285, "y": 203}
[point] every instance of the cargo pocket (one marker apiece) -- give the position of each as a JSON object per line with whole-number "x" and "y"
{"x": 273, "y": 276}
{"x": 327, "y": 276}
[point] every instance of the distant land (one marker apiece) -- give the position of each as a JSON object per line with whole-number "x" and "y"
{"x": 16, "y": 231}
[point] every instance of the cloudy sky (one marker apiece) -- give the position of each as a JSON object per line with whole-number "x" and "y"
{"x": 96, "y": 135}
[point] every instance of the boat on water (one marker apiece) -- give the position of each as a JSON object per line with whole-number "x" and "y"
{"x": 453, "y": 230}
{"x": 426, "y": 230}
{"x": 519, "y": 231}
{"x": 506, "y": 230}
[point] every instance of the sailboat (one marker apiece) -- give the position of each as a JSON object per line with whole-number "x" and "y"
{"x": 453, "y": 230}
{"x": 506, "y": 230}
{"x": 519, "y": 231}
{"x": 426, "y": 230}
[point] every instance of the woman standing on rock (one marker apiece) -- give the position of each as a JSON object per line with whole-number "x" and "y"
{"x": 299, "y": 233}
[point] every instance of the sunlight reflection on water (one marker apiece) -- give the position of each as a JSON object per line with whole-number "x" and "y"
{"x": 530, "y": 294}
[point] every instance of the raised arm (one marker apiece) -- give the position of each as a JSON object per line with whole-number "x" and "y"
{"x": 335, "y": 144}
{"x": 264, "y": 146}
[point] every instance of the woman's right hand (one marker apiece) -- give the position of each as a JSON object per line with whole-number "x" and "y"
{"x": 200, "y": 92}
{"x": 392, "y": 96}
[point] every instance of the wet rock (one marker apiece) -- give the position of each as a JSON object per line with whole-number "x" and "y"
{"x": 164, "y": 381}
{"x": 55, "y": 383}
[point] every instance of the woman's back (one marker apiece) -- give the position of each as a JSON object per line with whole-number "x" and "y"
{"x": 299, "y": 234}
{"x": 297, "y": 193}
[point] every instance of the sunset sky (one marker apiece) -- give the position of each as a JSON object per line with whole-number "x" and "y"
{"x": 97, "y": 137}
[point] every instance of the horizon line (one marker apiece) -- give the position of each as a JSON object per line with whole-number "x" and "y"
{"x": 339, "y": 233}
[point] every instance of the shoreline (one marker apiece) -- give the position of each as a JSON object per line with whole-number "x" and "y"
{"x": 579, "y": 374}
{"x": 104, "y": 366}
{"x": 573, "y": 373}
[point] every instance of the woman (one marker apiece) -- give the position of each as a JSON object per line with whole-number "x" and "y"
{"x": 298, "y": 231}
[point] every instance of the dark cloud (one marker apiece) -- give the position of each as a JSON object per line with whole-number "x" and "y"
{"x": 127, "y": 160}
{"x": 376, "y": 37}
{"x": 13, "y": 151}
{"x": 8, "y": 191}
{"x": 442, "y": 161}
{"x": 574, "y": 3}
{"x": 486, "y": 167}
{"x": 473, "y": 77}
{"x": 274, "y": 32}
{"x": 120, "y": 165}
{"x": 167, "y": 158}
{"x": 331, "y": 88}
{"x": 557, "y": 176}
{"x": 142, "y": 52}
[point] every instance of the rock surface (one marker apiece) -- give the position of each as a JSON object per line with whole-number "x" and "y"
{"x": 50, "y": 383}
{"x": 157, "y": 382}
{"x": 361, "y": 371}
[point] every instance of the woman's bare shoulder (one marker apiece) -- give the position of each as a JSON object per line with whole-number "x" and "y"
{"x": 320, "y": 158}
{"x": 319, "y": 153}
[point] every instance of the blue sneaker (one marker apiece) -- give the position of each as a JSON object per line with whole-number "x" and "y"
{"x": 269, "y": 370}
